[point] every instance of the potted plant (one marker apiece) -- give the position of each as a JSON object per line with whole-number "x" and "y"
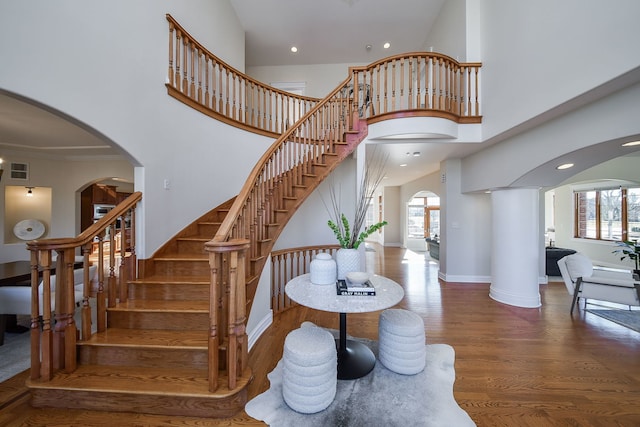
{"x": 631, "y": 250}
{"x": 351, "y": 234}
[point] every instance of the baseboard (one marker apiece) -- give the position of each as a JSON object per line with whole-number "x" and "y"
{"x": 262, "y": 326}
{"x": 463, "y": 279}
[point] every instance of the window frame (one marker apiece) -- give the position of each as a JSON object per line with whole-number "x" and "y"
{"x": 624, "y": 214}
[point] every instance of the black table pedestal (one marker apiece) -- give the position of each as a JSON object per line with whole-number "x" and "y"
{"x": 355, "y": 360}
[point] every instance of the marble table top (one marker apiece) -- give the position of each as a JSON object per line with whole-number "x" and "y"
{"x": 324, "y": 297}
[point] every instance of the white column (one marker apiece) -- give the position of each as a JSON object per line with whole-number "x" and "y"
{"x": 514, "y": 248}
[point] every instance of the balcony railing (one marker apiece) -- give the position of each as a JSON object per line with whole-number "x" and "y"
{"x": 410, "y": 84}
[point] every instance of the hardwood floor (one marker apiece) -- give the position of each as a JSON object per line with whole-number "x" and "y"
{"x": 514, "y": 366}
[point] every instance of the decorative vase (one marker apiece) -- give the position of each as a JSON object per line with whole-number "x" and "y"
{"x": 323, "y": 270}
{"x": 347, "y": 260}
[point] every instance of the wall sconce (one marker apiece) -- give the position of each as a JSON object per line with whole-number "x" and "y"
{"x": 29, "y": 191}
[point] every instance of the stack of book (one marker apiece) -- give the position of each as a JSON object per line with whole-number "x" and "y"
{"x": 344, "y": 287}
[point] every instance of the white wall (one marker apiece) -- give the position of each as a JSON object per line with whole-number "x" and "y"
{"x": 441, "y": 38}
{"x": 320, "y": 79}
{"x": 539, "y": 54}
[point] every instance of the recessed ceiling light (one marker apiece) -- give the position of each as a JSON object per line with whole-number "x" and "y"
{"x": 564, "y": 166}
{"x": 403, "y": 165}
{"x": 416, "y": 154}
{"x": 387, "y": 45}
{"x": 631, "y": 144}
{"x": 294, "y": 49}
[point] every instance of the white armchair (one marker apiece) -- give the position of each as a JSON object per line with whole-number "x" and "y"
{"x": 584, "y": 281}
{"x": 17, "y": 299}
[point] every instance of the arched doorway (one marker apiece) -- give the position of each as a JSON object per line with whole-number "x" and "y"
{"x": 423, "y": 220}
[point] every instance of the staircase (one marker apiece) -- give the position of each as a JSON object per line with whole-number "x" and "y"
{"x": 153, "y": 356}
{"x": 172, "y": 341}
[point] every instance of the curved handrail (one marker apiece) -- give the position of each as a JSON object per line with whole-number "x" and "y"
{"x": 205, "y": 82}
{"x": 291, "y": 159}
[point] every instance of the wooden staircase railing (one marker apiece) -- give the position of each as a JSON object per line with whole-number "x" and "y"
{"x": 205, "y": 82}
{"x": 53, "y": 338}
{"x": 287, "y": 264}
{"x": 313, "y": 137}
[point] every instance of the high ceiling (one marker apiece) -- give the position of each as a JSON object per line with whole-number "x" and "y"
{"x": 325, "y": 32}
{"x": 333, "y": 31}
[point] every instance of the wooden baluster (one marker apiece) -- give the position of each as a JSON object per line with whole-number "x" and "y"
{"x": 86, "y": 290}
{"x": 207, "y": 101}
{"x": 227, "y": 106}
{"x": 401, "y": 103}
{"x": 441, "y": 102}
{"x": 192, "y": 71}
{"x": 68, "y": 350}
{"x": 234, "y": 97}
{"x": 185, "y": 77}
{"x": 220, "y": 91}
{"x": 170, "y": 71}
{"x": 47, "y": 364}
{"x": 177, "y": 75}
{"x": 101, "y": 302}
{"x": 36, "y": 337}
{"x": 477, "y": 109}
{"x": 199, "y": 67}
{"x": 393, "y": 85}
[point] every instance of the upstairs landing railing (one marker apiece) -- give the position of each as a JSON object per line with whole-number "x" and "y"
{"x": 205, "y": 82}
{"x": 53, "y": 336}
{"x": 413, "y": 84}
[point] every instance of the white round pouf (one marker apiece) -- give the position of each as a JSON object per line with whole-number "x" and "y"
{"x": 310, "y": 370}
{"x": 401, "y": 341}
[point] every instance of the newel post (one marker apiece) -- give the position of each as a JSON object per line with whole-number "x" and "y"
{"x": 227, "y": 302}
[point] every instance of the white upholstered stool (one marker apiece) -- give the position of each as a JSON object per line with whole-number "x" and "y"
{"x": 401, "y": 341}
{"x": 310, "y": 373}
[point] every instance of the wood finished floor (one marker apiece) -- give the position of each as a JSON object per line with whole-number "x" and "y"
{"x": 514, "y": 366}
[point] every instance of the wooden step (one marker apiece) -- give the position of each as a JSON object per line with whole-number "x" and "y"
{"x": 182, "y": 265}
{"x": 175, "y": 392}
{"x": 170, "y": 288}
{"x": 208, "y": 228}
{"x": 191, "y": 245}
{"x": 159, "y": 314}
{"x": 145, "y": 348}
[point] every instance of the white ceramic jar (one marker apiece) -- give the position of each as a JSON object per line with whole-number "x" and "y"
{"x": 323, "y": 270}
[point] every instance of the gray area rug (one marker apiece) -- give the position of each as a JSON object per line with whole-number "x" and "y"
{"x": 627, "y": 318}
{"x": 15, "y": 353}
{"x": 382, "y": 398}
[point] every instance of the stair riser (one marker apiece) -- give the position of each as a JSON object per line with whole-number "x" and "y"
{"x": 182, "y": 268}
{"x": 148, "y": 358}
{"x": 211, "y": 406}
{"x": 190, "y": 247}
{"x": 208, "y": 230}
{"x": 158, "y": 320}
{"x": 190, "y": 292}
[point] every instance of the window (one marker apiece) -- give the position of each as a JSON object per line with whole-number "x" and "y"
{"x": 423, "y": 217}
{"x": 608, "y": 214}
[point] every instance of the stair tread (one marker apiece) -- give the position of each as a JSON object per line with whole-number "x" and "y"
{"x": 155, "y": 338}
{"x": 162, "y": 305}
{"x": 156, "y": 381}
{"x": 191, "y": 256}
{"x": 172, "y": 280}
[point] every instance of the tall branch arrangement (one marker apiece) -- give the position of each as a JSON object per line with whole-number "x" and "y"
{"x": 349, "y": 234}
